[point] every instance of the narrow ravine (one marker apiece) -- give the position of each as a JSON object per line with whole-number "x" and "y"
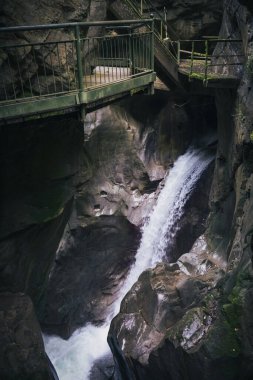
{"x": 73, "y": 358}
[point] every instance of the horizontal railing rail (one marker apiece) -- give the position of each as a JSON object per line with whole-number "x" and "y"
{"x": 53, "y": 63}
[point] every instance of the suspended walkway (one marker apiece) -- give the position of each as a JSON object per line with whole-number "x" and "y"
{"x": 66, "y": 70}
{"x": 62, "y": 69}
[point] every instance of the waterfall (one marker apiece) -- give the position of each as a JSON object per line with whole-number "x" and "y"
{"x": 73, "y": 358}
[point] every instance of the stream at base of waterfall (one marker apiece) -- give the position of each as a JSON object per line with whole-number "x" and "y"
{"x": 73, "y": 358}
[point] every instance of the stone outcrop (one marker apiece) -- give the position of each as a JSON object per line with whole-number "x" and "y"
{"x": 91, "y": 265}
{"x": 191, "y": 19}
{"x": 195, "y": 320}
{"x": 22, "y": 353}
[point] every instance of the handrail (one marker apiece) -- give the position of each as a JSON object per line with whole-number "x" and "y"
{"x": 72, "y": 24}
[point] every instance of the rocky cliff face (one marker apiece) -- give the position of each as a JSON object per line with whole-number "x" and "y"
{"x": 195, "y": 322}
{"x": 100, "y": 192}
{"x": 127, "y": 152}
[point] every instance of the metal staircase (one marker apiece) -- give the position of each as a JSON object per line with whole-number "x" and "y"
{"x": 165, "y": 60}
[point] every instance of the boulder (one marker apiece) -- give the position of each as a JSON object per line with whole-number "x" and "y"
{"x": 22, "y": 354}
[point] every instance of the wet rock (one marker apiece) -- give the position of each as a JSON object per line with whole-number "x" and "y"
{"x": 22, "y": 354}
{"x": 39, "y": 165}
{"x": 193, "y": 221}
{"x": 91, "y": 265}
{"x": 104, "y": 369}
{"x": 174, "y": 331}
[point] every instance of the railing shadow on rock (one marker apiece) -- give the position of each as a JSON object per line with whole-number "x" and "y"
{"x": 50, "y": 61}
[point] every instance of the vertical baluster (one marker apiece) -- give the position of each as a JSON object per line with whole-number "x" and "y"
{"x": 36, "y": 68}
{"x": 44, "y": 69}
{"x": 79, "y": 69}
{"x": 107, "y": 61}
{"x": 146, "y": 50}
{"x": 192, "y": 58}
{"x": 119, "y": 54}
{"x": 206, "y": 62}
{"x": 116, "y": 55}
{"x": 178, "y": 52}
{"x": 94, "y": 40}
{"x": 79, "y": 58}
{"x": 67, "y": 65}
{"x": 19, "y": 74}
{"x": 111, "y": 53}
{"x": 11, "y": 77}
{"x": 73, "y": 62}
{"x": 52, "y": 69}
{"x": 152, "y": 46}
{"x": 60, "y": 67}
{"x": 123, "y": 55}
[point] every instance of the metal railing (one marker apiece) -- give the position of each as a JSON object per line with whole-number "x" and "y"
{"x": 60, "y": 58}
{"x": 212, "y": 58}
{"x": 162, "y": 30}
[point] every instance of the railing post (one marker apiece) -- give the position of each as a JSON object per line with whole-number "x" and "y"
{"x": 152, "y": 52}
{"x": 178, "y": 52}
{"x": 79, "y": 69}
{"x": 206, "y": 60}
{"x": 141, "y": 7}
{"x": 131, "y": 52}
{"x": 165, "y": 22}
{"x": 192, "y": 58}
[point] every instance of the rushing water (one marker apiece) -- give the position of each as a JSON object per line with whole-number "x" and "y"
{"x": 73, "y": 358}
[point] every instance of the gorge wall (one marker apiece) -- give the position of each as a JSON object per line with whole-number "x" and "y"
{"x": 198, "y": 323}
{"x": 73, "y": 200}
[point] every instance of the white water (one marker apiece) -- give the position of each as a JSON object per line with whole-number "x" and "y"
{"x": 73, "y": 358}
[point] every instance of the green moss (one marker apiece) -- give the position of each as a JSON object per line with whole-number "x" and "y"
{"x": 222, "y": 340}
{"x": 175, "y": 333}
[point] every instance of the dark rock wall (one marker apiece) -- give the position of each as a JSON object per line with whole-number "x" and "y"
{"x": 22, "y": 353}
{"x": 179, "y": 310}
{"x": 190, "y": 19}
{"x": 87, "y": 274}
{"x": 40, "y": 163}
